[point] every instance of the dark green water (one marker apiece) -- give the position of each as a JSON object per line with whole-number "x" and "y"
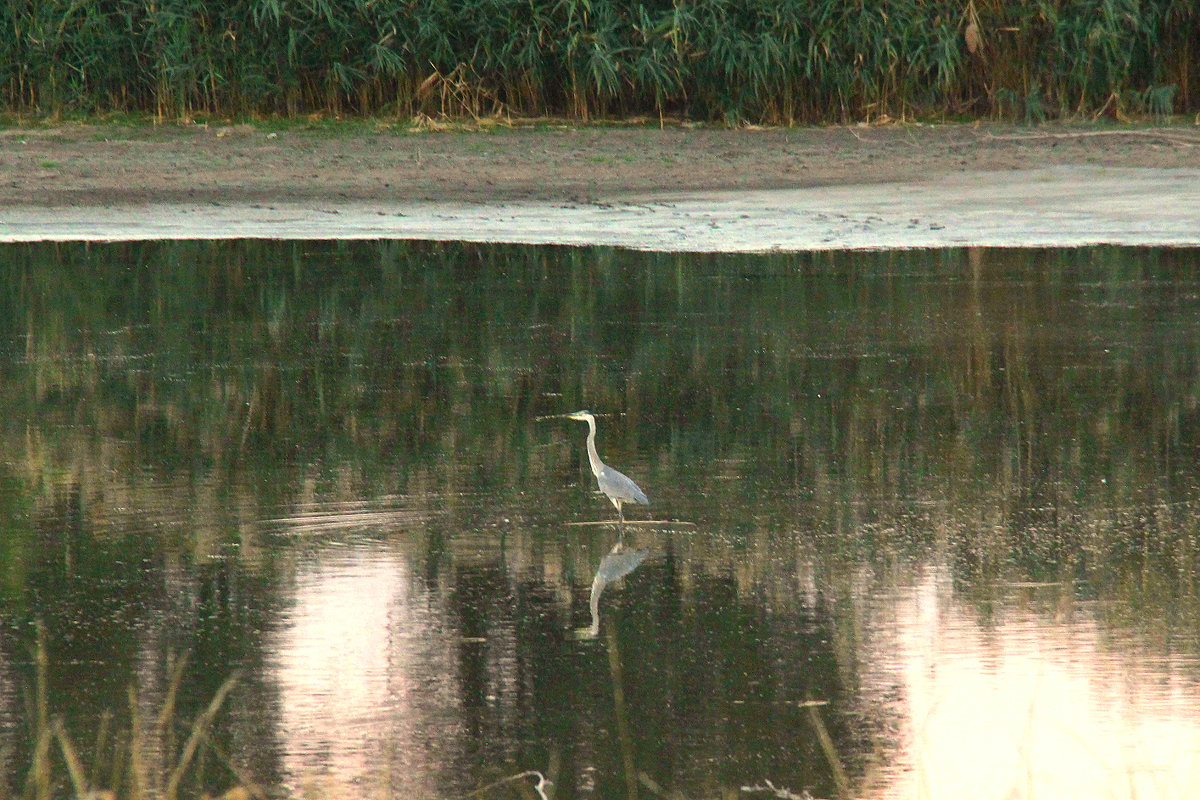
{"x": 929, "y": 516}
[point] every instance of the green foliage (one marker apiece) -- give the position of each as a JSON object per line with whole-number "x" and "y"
{"x": 752, "y": 60}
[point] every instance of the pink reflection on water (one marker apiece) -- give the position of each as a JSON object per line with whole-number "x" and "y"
{"x": 356, "y": 719}
{"x": 1032, "y": 701}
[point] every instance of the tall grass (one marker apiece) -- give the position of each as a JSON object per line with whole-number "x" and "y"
{"x": 120, "y": 768}
{"x": 733, "y": 60}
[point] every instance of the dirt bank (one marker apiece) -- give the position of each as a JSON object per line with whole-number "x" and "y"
{"x": 109, "y": 165}
{"x": 76, "y": 181}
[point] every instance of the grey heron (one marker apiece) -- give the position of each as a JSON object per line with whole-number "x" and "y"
{"x": 616, "y": 485}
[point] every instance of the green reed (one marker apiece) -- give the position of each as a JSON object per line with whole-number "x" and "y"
{"x": 750, "y": 60}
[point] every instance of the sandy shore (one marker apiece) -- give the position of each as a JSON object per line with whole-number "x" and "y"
{"x": 676, "y": 189}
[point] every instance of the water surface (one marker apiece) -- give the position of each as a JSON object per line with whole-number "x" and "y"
{"x": 923, "y": 523}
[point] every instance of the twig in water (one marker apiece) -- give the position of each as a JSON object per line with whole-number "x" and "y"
{"x": 540, "y": 787}
{"x": 783, "y": 794}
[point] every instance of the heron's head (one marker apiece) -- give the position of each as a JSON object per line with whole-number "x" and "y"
{"x": 580, "y": 416}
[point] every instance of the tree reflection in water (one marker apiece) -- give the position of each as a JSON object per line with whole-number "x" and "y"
{"x": 317, "y": 463}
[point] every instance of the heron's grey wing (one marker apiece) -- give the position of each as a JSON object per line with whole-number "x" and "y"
{"x": 619, "y": 487}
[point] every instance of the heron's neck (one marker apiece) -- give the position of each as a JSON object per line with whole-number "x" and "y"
{"x": 593, "y": 456}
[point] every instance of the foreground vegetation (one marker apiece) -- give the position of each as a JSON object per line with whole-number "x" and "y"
{"x": 148, "y": 759}
{"x": 777, "y": 61}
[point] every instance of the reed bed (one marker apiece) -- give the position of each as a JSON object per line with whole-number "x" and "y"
{"x": 771, "y": 61}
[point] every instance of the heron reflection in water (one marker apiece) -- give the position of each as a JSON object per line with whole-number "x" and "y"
{"x": 616, "y": 485}
{"x": 619, "y": 562}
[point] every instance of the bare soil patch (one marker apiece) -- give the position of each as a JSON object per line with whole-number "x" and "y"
{"x": 106, "y": 165}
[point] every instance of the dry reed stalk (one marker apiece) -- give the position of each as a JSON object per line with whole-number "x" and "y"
{"x": 41, "y": 754}
{"x": 199, "y": 730}
{"x": 840, "y": 779}
{"x": 74, "y": 766}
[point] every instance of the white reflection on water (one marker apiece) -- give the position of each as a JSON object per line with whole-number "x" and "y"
{"x": 347, "y": 663}
{"x": 1030, "y": 705}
